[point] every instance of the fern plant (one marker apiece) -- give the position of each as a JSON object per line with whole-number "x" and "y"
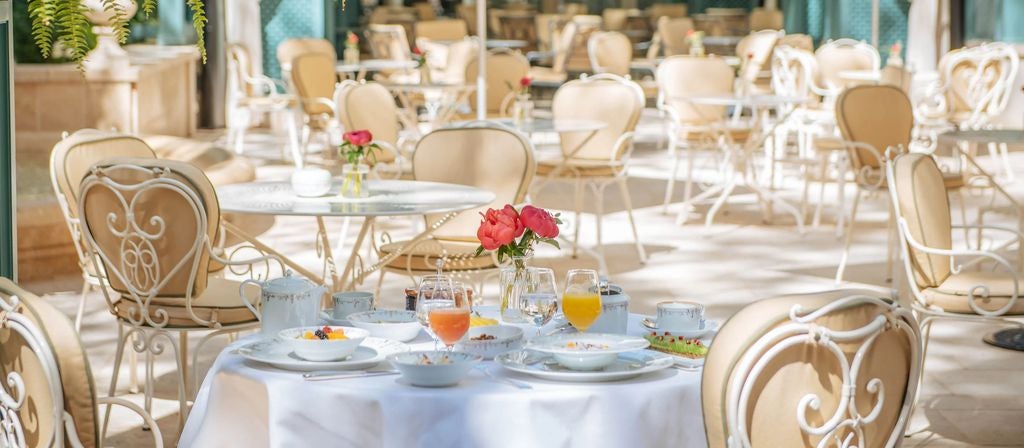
{"x": 65, "y": 21}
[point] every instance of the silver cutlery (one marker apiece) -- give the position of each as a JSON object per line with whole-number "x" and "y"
{"x": 509, "y": 381}
{"x": 340, "y": 375}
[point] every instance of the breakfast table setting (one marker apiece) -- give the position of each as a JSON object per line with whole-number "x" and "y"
{"x": 451, "y": 370}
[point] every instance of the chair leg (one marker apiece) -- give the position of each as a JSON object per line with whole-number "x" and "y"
{"x": 822, "y": 182}
{"x": 86, "y": 288}
{"x": 849, "y": 238}
{"x": 599, "y": 216}
{"x": 628, "y": 201}
{"x": 118, "y": 356}
{"x": 293, "y": 139}
{"x": 688, "y": 190}
{"x": 963, "y": 215}
{"x": 579, "y": 211}
{"x": 380, "y": 282}
{"x": 672, "y": 176}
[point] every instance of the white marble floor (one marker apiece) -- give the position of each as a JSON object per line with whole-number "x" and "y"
{"x": 973, "y": 393}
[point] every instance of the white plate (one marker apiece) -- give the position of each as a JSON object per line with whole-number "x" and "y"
{"x": 710, "y": 327}
{"x": 628, "y": 365}
{"x": 275, "y": 353}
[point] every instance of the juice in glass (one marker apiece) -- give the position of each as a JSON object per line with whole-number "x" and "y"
{"x": 581, "y": 308}
{"x": 449, "y": 324}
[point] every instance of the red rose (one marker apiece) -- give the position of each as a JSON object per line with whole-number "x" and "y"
{"x": 525, "y": 81}
{"x": 690, "y": 32}
{"x": 499, "y": 227}
{"x": 539, "y": 221}
{"x": 361, "y": 137}
{"x": 416, "y": 51}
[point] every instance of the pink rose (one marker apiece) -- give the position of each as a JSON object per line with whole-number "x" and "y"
{"x": 525, "y": 81}
{"x": 499, "y": 227}
{"x": 359, "y": 138}
{"x": 539, "y": 221}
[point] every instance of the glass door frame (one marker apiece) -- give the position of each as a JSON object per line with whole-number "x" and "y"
{"x": 8, "y": 230}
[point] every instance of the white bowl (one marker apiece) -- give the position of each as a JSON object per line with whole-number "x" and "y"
{"x": 506, "y": 338}
{"x": 311, "y": 182}
{"x": 397, "y": 325}
{"x": 326, "y": 349}
{"x": 444, "y": 368}
{"x": 587, "y": 351}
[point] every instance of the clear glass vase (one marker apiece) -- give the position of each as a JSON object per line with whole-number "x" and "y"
{"x": 351, "y": 56}
{"x": 522, "y": 109}
{"x": 354, "y": 183}
{"x": 514, "y": 281}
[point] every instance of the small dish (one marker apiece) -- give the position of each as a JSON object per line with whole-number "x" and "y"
{"x": 326, "y": 314}
{"x": 707, "y": 327}
{"x": 434, "y": 368}
{"x": 323, "y": 349}
{"x": 624, "y": 366}
{"x": 398, "y": 325}
{"x": 587, "y": 351}
{"x": 505, "y": 339}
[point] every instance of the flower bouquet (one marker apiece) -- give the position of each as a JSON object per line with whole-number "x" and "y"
{"x": 512, "y": 235}
{"x": 696, "y": 41}
{"x": 522, "y": 108}
{"x": 351, "y": 55}
{"x": 357, "y": 148}
{"x": 420, "y": 57}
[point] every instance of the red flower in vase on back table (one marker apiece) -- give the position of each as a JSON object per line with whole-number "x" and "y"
{"x": 499, "y": 229}
{"x": 357, "y": 146}
{"x": 420, "y": 56}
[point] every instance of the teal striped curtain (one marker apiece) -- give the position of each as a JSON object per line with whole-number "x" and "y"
{"x": 994, "y": 20}
{"x": 287, "y": 19}
{"x": 834, "y": 19}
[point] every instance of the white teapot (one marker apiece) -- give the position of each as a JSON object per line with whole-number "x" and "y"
{"x": 285, "y": 302}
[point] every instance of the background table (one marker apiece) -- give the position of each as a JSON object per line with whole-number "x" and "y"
{"x": 247, "y": 404}
{"x": 441, "y": 100}
{"x": 359, "y": 69}
{"x": 386, "y": 198}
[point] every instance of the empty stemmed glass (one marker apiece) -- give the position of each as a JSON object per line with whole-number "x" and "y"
{"x": 540, "y": 302}
{"x": 581, "y": 302}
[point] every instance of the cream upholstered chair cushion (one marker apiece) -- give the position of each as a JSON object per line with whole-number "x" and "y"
{"x": 841, "y": 55}
{"x": 293, "y": 48}
{"x": 610, "y": 52}
{"x": 72, "y": 362}
{"x": 765, "y": 19}
{"x": 682, "y": 76}
{"x": 880, "y": 116}
{"x": 388, "y": 42}
{"x": 219, "y": 302}
{"x": 755, "y": 52}
{"x": 801, "y": 41}
{"x": 670, "y": 10}
{"x": 952, "y": 295}
{"x": 670, "y": 33}
{"x": 615, "y": 101}
{"x": 73, "y": 156}
{"x": 504, "y": 70}
{"x": 370, "y": 106}
{"x": 314, "y": 77}
{"x": 803, "y": 369}
{"x": 496, "y": 159}
{"x": 924, "y": 206}
{"x": 563, "y": 46}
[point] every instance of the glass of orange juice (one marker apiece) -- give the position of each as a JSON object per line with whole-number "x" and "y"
{"x": 581, "y": 302}
{"x": 449, "y": 317}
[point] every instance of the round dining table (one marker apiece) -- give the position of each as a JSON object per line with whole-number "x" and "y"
{"x": 245, "y": 403}
{"x": 386, "y": 198}
{"x": 441, "y": 101}
{"x": 358, "y": 70}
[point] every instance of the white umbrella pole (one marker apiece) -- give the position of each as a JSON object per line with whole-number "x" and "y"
{"x": 874, "y": 22}
{"x": 481, "y": 77}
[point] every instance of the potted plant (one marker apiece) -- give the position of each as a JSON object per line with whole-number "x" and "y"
{"x": 421, "y": 63}
{"x": 512, "y": 235}
{"x": 357, "y": 149}
{"x": 351, "y": 55}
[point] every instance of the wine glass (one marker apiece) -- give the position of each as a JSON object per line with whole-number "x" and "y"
{"x": 449, "y": 318}
{"x": 434, "y": 290}
{"x": 540, "y": 302}
{"x": 581, "y": 302}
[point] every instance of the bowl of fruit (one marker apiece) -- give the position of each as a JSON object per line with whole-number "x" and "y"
{"x": 434, "y": 368}
{"x": 491, "y": 340}
{"x": 398, "y": 325}
{"x": 325, "y": 343}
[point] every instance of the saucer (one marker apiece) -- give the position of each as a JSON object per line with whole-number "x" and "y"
{"x": 325, "y": 316}
{"x": 710, "y": 327}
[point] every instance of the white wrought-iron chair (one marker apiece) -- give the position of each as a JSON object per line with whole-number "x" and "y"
{"x": 695, "y": 128}
{"x": 557, "y": 74}
{"x": 601, "y": 158}
{"x": 755, "y": 53}
{"x": 670, "y": 37}
{"x": 152, "y": 225}
{"x": 973, "y": 89}
{"x": 836, "y": 368}
{"x": 876, "y": 121}
{"x": 69, "y": 163}
{"x": 250, "y": 94}
{"x": 370, "y": 106}
{"x": 937, "y": 272}
{"x": 837, "y": 56}
{"x": 293, "y": 48}
{"x": 489, "y": 156}
{"x": 48, "y": 397}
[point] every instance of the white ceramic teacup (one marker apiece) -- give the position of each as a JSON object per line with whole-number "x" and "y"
{"x": 680, "y": 315}
{"x": 349, "y": 302}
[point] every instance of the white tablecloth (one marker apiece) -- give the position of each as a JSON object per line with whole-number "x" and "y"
{"x": 242, "y": 403}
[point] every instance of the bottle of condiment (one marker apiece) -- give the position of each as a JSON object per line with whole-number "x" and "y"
{"x": 410, "y": 299}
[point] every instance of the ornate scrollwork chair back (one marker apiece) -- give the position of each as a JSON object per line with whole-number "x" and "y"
{"x": 841, "y": 55}
{"x": 48, "y": 399}
{"x": 837, "y": 368}
{"x": 978, "y": 82}
{"x": 69, "y": 163}
{"x": 755, "y": 52}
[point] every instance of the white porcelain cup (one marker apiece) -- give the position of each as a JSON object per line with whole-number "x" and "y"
{"x": 680, "y": 315}
{"x": 349, "y": 302}
{"x": 311, "y": 182}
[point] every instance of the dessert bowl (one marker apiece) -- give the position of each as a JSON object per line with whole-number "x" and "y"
{"x": 434, "y": 368}
{"x": 317, "y": 349}
{"x": 397, "y": 325}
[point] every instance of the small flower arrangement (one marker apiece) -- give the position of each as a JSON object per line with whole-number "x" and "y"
{"x": 357, "y": 146}
{"x": 419, "y": 56}
{"x": 499, "y": 230}
{"x": 896, "y": 49}
{"x": 352, "y": 41}
{"x": 694, "y": 37}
